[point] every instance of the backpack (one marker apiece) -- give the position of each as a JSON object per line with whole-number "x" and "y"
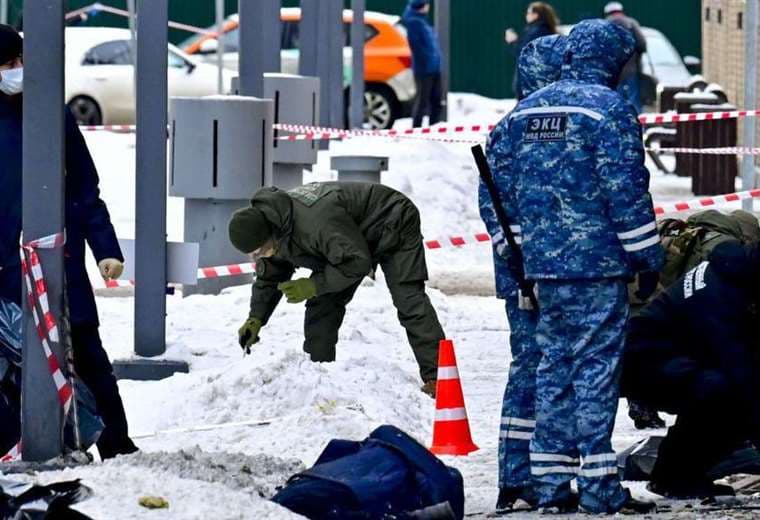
{"x": 689, "y": 242}
{"x": 389, "y": 475}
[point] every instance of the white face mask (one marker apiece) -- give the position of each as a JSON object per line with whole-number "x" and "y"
{"x": 12, "y": 81}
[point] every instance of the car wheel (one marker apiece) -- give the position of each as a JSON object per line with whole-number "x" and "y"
{"x": 86, "y": 111}
{"x": 380, "y": 107}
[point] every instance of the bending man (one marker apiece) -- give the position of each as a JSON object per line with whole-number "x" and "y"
{"x": 341, "y": 231}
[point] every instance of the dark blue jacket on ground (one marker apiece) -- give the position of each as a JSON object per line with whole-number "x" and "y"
{"x": 531, "y": 32}
{"x": 575, "y": 150}
{"x": 87, "y": 217}
{"x": 426, "y": 52}
{"x": 710, "y": 316}
{"x": 387, "y": 475}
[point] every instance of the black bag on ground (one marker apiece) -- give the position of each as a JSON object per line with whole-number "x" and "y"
{"x": 24, "y": 501}
{"x": 90, "y": 423}
{"x": 637, "y": 462}
{"x": 389, "y": 475}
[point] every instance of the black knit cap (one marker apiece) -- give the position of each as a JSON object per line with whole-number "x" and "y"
{"x": 11, "y": 44}
{"x": 249, "y": 230}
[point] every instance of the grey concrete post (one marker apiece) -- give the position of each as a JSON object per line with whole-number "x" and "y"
{"x": 443, "y": 30}
{"x": 4, "y": 11}
{"x": 43, "y": 214}
{"x": 321, "y": 48}
{"x": 260, "y": 36}
{"x": 359, "y": 168}
{"x": 749, "y": 177}
{"x": 357, "y": 66}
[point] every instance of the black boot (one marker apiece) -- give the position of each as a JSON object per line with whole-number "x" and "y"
{"x": 643, "y": 416}
{"x": 690, "y": 490}
{"x": 516, "y": 499}
{"x": 637, "y": 507}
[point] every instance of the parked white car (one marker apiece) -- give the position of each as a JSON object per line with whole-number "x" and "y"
{"x": 100, "y": 75}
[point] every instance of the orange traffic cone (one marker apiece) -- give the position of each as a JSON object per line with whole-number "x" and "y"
{"x": 451, "y": 430}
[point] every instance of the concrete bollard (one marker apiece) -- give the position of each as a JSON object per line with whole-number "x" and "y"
{"x": 221, "y": 153}
{"x": 359, "y": 168}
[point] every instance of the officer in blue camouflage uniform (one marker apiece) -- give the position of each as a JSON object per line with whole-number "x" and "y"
{"x": 587, "y": 222}
{"x": 539, "y": 65}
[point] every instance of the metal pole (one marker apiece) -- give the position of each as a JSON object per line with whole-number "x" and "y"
{"x": 357, "y": 67}
{"x": 150, "y": 213}
{"x": 750, "y": 96}
{"x": 43, "y": 214}
{"x": 259, "y": 43}
{"x": 220, "y": 46}
{"x": 132, "y": 44}
{"x": 4, "y": 11}
{"x": 443, "y": 30}
{"x": 321, "y": 50}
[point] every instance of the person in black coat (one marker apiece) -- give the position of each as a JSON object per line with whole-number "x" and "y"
{"x": 541, "y": 21}
{"x": 87, "y": 220}
{"x": 695, "y": 352}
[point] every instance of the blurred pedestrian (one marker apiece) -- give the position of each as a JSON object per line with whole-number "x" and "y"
{"x": 541, "y": 21}
{"x": 629, "y": 84}
{"x": 87, "y": 220}
{"x": 426, "y": 62}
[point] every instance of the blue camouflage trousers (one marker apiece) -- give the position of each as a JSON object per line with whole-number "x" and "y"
{"x": 581, "y": 335}
{"x": 518, "y": 413}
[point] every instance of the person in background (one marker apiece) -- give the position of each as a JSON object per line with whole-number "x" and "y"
{"x": 540, "y": 64}
{"x": 426, "y": 62}
{"x": 541, "y": 21}
{"x": 87, "y": 219}
{"x": 629, "y": 83}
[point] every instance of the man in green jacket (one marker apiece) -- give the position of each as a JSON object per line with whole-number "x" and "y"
{"x": 341, "y": 232}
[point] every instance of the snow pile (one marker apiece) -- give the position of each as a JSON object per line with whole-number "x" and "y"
{"x": 259, "y": 475}
{"x": 118, "y": 487}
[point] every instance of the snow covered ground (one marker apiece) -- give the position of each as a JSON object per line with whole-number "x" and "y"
{"x": 373, "y": 382}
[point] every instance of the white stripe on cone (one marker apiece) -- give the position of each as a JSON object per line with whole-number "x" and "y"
{"x": 451, "y": 414}
{"x": 447, "y": 373}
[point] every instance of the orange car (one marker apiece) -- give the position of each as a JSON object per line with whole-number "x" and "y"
{"x": 389, "y": 90}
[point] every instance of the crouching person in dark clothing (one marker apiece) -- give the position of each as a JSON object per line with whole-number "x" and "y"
{"x": 694, "y": 352}
{"x": 87, "y": 220}
{"x": 341, "y": 231}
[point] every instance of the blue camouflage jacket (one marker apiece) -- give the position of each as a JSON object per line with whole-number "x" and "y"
{"x": 575, "y": 157}
{"x": 539, "y": 64}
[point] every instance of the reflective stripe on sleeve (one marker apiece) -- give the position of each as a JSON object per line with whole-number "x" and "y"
{"x": 634, "y": 233}
{"x": 638, "y": 246}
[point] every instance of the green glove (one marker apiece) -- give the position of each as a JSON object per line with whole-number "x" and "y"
{"x": 297, "y": 291}
{"x": 248, "y": 334}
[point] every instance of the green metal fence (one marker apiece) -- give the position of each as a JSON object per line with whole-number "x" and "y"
{"x": 480, "y": 60}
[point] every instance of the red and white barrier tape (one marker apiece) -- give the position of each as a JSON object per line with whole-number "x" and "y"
{"x": 708, "y": 151}
{"x": 706, "y": 202}
{"x": 457, "y": 241}
{"x": 47, "y": 327}
{"x": 659, "y": 119}
{"x": 204, "y": 273}
{"x": 13, "y": 455}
